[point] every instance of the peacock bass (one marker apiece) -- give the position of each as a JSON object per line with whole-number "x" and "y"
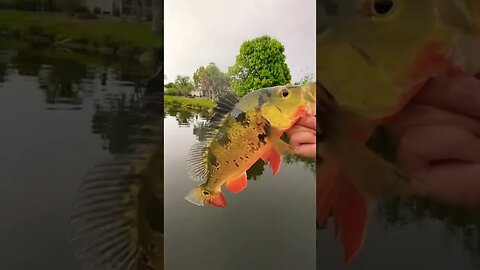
{"x": 241, "y": 132}
{"x": 373, "y": 56}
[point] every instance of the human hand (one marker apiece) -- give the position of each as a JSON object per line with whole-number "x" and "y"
{"x": 438, "y": 141}
{"x": 303, "y": 136}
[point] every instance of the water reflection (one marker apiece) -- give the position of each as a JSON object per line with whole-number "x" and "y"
{"x": 187, "y": 117}
{"x": 115, "y": 119}
{"x": 400, "y": 212}
{"x": 119, "y": 207}
{"x": 3, "y": 72}
{"x": 94, "y": 100}
{"x": 457, "y": 223}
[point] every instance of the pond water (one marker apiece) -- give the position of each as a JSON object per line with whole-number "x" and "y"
{"x": 82, "y": 135}
{"x": 60, "y": 114}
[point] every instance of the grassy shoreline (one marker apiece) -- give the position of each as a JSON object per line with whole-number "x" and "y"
{"x": 112, "y": 36}
{"x": 190, "y": 103}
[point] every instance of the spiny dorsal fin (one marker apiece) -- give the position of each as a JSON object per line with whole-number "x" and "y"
{"x": 196, "y": 162}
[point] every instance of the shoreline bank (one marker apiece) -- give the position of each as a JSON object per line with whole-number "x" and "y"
{"x": 201, "y": 104}
{"x": 118, "y": 38}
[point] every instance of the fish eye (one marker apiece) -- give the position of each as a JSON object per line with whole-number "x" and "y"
{"x": 284, "y": 93}
{"x": 383, "y": 7}
{"x": 206, "y": 193}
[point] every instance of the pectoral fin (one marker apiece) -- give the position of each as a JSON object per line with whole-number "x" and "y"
{"x": 280, "y": 146}
{"x": 373, "y": 175}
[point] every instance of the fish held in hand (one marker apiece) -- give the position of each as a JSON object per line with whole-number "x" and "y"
{"x": 373, "y": 56}
{"x": 241, "y": 132}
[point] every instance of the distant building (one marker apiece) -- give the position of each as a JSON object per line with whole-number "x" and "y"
{"x": 122, "y": 8}
{"x": 196, "y": 93}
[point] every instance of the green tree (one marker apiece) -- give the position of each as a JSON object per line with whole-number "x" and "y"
{"x": 170, "y": 85}
{"x": 260, "y": 63}
{"x": 184, "y": 85}
{"x": 210, "y": 81}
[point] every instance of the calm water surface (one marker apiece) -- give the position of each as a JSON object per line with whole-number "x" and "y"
{"x": 63, "y": 114}
{"x": 57, "y": 120}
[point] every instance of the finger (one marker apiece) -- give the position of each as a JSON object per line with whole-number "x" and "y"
{"x": 456, "y": 183}
{"x": 308, "y": 122}
{"x": 421, "y": 146}
{"x": 299, "y": 138}
{"x": 296, "y": 129}
{"x": 458, "y": 95}
{"x": 306, "y": 150}
{"x": 422, "y": 115}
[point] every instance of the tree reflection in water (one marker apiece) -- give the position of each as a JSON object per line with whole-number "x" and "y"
{"x": 398, "y": 212}
{"x": 118, "y": 220}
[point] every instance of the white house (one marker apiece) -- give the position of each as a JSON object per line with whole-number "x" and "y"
{"x": 196, "y": 93}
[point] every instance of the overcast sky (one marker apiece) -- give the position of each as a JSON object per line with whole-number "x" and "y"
{"x": 200, "y": 32}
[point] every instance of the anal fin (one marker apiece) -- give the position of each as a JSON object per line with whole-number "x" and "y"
{"x": 238, "y": 184}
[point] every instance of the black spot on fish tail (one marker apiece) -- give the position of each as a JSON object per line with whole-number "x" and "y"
{"x": 237, "y": 165}
{"x": 241, "y": 158}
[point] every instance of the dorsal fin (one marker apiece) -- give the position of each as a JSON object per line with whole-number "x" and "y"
{"x": 196, "y": 162}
